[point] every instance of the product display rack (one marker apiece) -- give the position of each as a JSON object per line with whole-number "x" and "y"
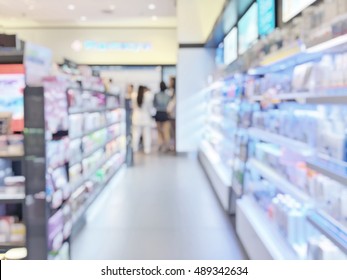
{"x": 53, "y": 206}
{"x": 324, "y": 225}
{"x": 294, "y": 194}
{"x": 12, "y": 59}
{"x": 118, "y": 155}
{"x": 218, "y": 153}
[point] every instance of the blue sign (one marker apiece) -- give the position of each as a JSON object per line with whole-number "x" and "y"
{"x": 266, "y": 16}
{"x": 248, "y": 29}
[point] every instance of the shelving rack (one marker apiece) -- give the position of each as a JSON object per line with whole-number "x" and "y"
{"x": 78, "y": 219}
{"x": 255, "y": 226}
{"x": 254, "y": 235}
{"x": 37, "y": 208}
{"x": 219, "y": 152}
{"x": 17, "y": 159}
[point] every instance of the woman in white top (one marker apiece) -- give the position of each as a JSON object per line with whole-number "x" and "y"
{"x": 142, "y": 119}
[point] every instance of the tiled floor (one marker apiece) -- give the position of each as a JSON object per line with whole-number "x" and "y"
{"x": 162, "y": 208}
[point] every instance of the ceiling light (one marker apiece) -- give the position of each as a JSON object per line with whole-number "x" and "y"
{"x": 71, "y": 7}
{"x": 151, "y": 7}
{"x": 83, "y": 18}
{"x": 112, "y": 7}
{"x": 154, "y": 17}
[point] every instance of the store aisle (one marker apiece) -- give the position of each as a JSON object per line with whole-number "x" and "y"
{"x": 163, "y": 208}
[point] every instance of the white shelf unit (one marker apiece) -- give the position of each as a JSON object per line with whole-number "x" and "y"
{"x": 260, "y": 238}
{"x": 303, "y": 97}
{"x": 280, "y": 140}
{"x": 258, "y": 234}
{"x": 281, "y": 183}
{"x": 219, "y": 176}
{"x": 331, "y": 168}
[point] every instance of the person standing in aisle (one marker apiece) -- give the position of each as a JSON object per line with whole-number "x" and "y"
{"x": 128, "y": 113}
{"x": 172, "y": 113}
{"x": 160, "y": 102}
{"x": 142, "y": 119}
{"x": 130, "y": 92}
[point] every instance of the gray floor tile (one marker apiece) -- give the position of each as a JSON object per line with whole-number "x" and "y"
{"x": 162, "y": 208}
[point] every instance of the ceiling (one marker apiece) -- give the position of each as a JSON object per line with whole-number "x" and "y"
{"x": 26, "y": 13}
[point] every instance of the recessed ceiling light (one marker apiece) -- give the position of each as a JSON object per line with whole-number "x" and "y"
{"x": 71, "y": 7}
{"x": 83, "y": 18}
{"x": 151, "y": 7}
{"x": 112, "y": 7}
{"x": 154, "y": 17}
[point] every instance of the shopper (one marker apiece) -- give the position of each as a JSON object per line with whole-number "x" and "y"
{"x": 161, "y": 102}
{"x": 142, "y": 119}
{"x": 130, "y": 92}
{"x": 172, "y": 113}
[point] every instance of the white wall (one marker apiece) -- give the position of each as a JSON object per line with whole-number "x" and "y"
{"x": 150, "y": 77}
{"x": 196, "y": 19}
{"x": 59, "y": 40}
{"x": 193, "y": 69}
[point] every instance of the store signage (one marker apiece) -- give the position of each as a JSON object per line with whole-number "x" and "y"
{"x": 12, "y": 83}
{"x": 230, "y": 46}
{"x": 243, "y": 5}
{"x": 248, "y": 29}
{"x": 266, "y": 16}
{"x": 290, "y": 8}
{"x": 230, "y": 16}
{"x": 90, "y": 45}
{"x": 38, "y": 64}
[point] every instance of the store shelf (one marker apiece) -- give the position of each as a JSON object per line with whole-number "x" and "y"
{"x": 11, "y": 198}
{"x": 89, "y": 174}
{"x": 92, "y": 151}
{"x": 316, "y": 96}
{"x": 301, "y": 96}
{"x": 280, "y": 140}
{"x": 95, "y": 130}
{"x": 93, "y": 91}
{"x": 260, "y": 238}
{"x": 282, "y": 55}
{"x": 88, "y": 132}
{"x": 297, "y": 54}
{"x": 79, "y": 159}
{"x": 81, "y": 213}
{"x": 85, "y": 110}
{"x": 327, "y": 99}
{"x": 11, "y": 56}
{"x": 330, "y": 44}
{"x": 223, "y": 173}
{"x": 330, "y": 228}
{"x": 219, "y": 176}
{"x": 280, "y": 183}
{"x": 10, "y": 245}
{"x": 14, "y": 157}
{"x": 334, "y": 169}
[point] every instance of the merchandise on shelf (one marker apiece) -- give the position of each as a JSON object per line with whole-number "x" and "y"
{"x": 58, "y": 153}
{"x": 59, "y": 228}
{"x": 76, "y": 125}
{"x": 11, "y": 230}
{"x": 11, "y": 145}
{"x": 56, "y": 107}
{"x": 12, "y": 83}
{"x": 290, "y": 217}
{"x": 321, "y": 127}
{"x": 94, "y": 141}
